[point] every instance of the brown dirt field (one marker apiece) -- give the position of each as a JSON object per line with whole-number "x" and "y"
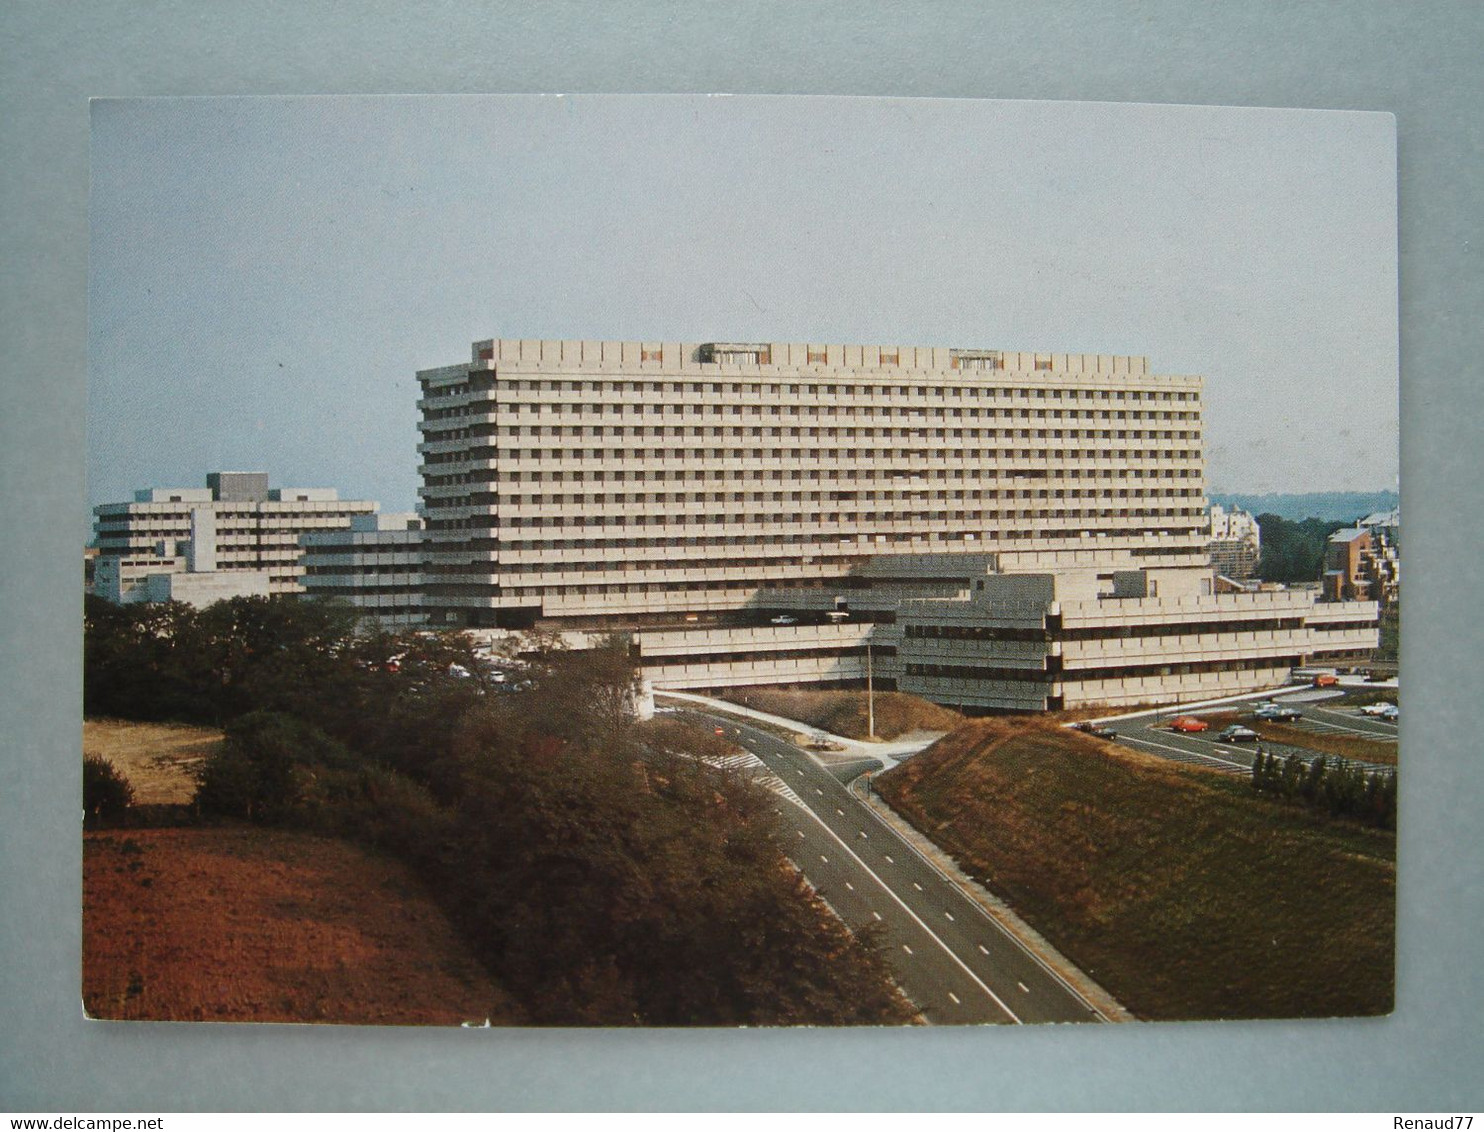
{"x": 240, "y": 924}
{"x": 158, "y": 759}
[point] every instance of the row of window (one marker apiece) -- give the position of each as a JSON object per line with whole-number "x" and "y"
{"x": 516, "y": 499}
{"x": 1126, "y": 672}
{"x": 510, "y": 416}
{"x": 815, "y": 388}
{"x": 756, "y": 656}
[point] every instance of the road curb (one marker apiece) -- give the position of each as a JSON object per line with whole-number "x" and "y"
{"x": 1032, "y": 940}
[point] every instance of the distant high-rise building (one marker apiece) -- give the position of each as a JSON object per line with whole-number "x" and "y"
{"x": 1236, "y": 543}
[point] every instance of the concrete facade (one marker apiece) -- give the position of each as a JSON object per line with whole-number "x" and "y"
{"x": 374, "y": 565}
{"x": 985, "y": 528}
{"x": 252, "y": 527}
{"x": 653, "y": 479}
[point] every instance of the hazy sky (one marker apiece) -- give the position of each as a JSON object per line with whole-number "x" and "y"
{"x": 267, "y": 274}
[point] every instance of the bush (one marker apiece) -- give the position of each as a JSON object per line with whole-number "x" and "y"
{"x": 106, "y": 793}
{"x": 267, "y": 767}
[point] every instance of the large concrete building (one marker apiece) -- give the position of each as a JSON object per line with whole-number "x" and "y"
{"x": 992, "y": 529}
{"x": 235, "y": 525}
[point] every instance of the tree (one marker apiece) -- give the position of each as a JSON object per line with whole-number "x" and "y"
{"x": 106, "y": 793}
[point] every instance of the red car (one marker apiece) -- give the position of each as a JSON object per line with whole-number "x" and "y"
{"x": 1188, "y": 723}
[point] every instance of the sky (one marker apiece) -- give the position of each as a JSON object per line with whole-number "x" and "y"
{"x": 268, "y": 274}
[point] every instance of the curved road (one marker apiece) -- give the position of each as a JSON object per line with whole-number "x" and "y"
{"x": 951, "y": 959}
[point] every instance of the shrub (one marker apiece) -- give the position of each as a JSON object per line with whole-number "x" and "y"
{"x": 266, "y": 768}
{"x": 106, "y": 793}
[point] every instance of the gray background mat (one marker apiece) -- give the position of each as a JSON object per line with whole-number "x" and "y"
{"x": 1419, "y": 61}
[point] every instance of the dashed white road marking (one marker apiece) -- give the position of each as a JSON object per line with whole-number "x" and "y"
{"x": 850, "y": 886}
{"x": 823, "y": 858}
{"x": 907, "y": 949}
{"x": 984, "y": 949}
{"x": 954, "y": 997}
{"x": 948, "y": 914}
{"x": 876, "y": 914}
{"x": 889, "y": 861}
{"x": 917, "y": 886}
{"x": 1023, "y": 987}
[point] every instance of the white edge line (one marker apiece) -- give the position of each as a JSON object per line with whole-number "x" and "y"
{"x": 1004, "y": 932}
{"x": 994, "y": 924}
{"x": 918, "y": 920}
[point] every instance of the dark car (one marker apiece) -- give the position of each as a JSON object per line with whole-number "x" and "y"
{"x": 1095, "y": 730}
{"x": 1280, "y": 712}
{"x": 1237, "y": 734}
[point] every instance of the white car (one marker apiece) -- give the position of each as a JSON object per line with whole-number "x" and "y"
{"x": 783, "y": 619}
{"x": 1381, "y": 709}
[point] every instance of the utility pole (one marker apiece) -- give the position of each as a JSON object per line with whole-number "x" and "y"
{"x": 870, "y": 696}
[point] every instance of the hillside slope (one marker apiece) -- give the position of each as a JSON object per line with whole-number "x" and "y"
{"x": 1179, "y": 890}
{"x": 240, "y": 924}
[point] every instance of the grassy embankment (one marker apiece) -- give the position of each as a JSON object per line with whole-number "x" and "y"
{"x": 245, "y": 924}
{"x": 1179, "y": 890}
{"x": 844, "y": 712}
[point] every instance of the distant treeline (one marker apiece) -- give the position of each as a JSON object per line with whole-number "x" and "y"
{"x": 603, "y": 876}
{"x": 1293, "y": 552}
{"x": 1342, "y": 506}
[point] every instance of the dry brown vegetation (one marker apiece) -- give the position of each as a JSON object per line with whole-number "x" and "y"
{"x": 844, "y": 712}
{"x": 243, "y": 924}
{"x": 159, "y": 759}
{"x": 1180, "y": 890}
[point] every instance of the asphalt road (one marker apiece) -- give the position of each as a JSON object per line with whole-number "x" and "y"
{"x": 955, "y": 963}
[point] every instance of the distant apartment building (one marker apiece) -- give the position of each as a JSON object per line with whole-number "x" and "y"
{"x": 987, "y": 528}
{"x": 1236, "y": 543}
{"x": 1360, "y": 565}
{"x": 374, "y": 565}
{"x": 235, "y": 525}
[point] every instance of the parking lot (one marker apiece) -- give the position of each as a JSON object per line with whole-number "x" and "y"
{"x": 1328, "y": 716}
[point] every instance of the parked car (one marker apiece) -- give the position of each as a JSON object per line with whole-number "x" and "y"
{"x": 1238, "y": 734}
{"x": 1189, "y": 723}
{"x": 1326, "y": 680}
{"x": 1376, "y": 676}
{"x": 1390, "y": 714}
{"x": 1095, "y": 730}
{"x": 1380, "y": 708}
{"x": 1280, "y": 712}
{"x": 783, "y": 619}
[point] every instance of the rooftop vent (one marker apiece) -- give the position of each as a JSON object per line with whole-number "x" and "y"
{"x": 737, "y": 353}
